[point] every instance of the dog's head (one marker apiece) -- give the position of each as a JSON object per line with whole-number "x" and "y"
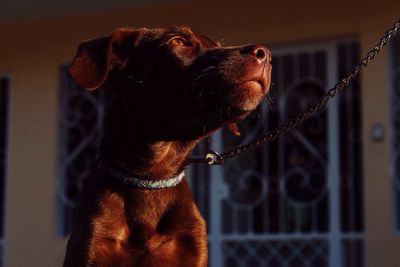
{"x": 172, "y": 84}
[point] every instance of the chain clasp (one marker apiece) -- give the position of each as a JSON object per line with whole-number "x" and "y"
{"x": 213, "y": 158}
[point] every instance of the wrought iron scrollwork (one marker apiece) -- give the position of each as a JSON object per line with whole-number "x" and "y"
{"x": 304, "y": 180}
{"x": 79, "y": 121}
{"x": 80, "y": 117}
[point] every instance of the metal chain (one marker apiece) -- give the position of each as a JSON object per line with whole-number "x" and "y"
{"x": 214, "y": 158}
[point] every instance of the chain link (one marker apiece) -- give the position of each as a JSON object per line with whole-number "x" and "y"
{"x": 214, "y": 158}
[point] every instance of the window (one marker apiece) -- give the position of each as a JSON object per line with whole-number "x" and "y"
{"x": 80, "y": 115}
{"x": 296, "y": 201}
{"x": 4, "y": 97}
{"x": 394, "y": 61}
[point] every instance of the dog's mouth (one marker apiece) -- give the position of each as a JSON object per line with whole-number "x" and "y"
{"x": 247, "y": 95}
{"x": 259, "y": 86}
{"x": 254, "y": 85}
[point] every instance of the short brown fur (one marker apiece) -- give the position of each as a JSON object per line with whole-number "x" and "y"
{"x": 166, "y": 90}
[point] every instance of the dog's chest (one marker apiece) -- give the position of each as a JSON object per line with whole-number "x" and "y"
{"x": 144, "y": 229}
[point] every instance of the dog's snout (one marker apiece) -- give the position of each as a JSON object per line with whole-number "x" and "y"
{"x": 260, "y": 52}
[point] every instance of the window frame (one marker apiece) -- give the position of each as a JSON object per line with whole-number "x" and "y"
{"x": 394, "y": 176}
{"x": 7, "y": 113}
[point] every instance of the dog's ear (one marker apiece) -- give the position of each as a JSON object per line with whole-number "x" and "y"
{"x": 96, "y": 57}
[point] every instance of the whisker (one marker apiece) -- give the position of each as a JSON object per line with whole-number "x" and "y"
{"x": 207, "y": 69}
{"x": 203, "y": 73}
{"x": 270, "y": 97}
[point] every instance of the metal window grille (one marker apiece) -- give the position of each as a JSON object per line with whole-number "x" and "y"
{"x": 394, "y": 66}
{"x": 80, "y": 116}
{"x": 296, "y": 201}
{"x": 4, "y": 102}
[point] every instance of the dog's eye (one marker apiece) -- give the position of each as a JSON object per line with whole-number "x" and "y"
{"x": 177, "y": 41}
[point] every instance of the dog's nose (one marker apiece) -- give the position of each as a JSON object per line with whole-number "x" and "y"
{"x": 258, "y": 51}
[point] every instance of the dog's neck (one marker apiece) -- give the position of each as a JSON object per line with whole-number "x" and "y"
{"x": 130, "y": 142}
{"x": 155, "y": 160}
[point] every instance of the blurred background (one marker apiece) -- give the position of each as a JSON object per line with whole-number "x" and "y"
{"x": 325, "y": 194}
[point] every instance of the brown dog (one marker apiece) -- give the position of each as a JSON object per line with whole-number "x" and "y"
{"x": 166, "y": 90}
